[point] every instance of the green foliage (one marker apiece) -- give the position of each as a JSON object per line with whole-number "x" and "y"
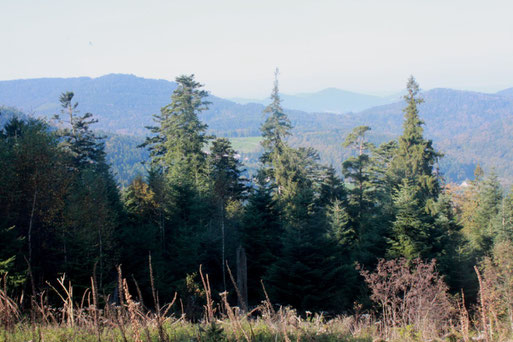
{"x": 421, "y": 228}
{"x": 276, "y": 127}
{"x": 214, "y": 333}
{"x": 261, "y": 231}
{"x": 415, "y": 156}
{"x": 302, "y": 227}
{"x": 411, "y": 231}
{"x": 179, "y": 137}
{"x": 82, "y": 144}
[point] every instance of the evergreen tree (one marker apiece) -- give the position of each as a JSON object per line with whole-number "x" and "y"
{"x": 331, "y": 187}
{"x": 84, "y": 146}
{"x": 418, "y": 228}
{"x": 367, "y": 199}
{"x": 177, "y": 142}
{"x": 481, "y": 213}
{"x": 357, "y": 171}
{"x": 415, "y": 157}
{"x": 33, "y": 187}
{"x": 340, "y": 230}
{"x": 180, "y": 179}
{"x": 227, "y": 186}
{"x": 93, "y": 194}
{"x": 504, "y": 224}
{"x": 275, "y": 131}
{"x": 261, "y": 233}
{"x": 412, "y": 226}
{"x": 141, "y": 235}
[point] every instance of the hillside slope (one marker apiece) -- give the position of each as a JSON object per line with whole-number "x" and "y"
{"x": 468, "y": 127}
{"x": 330, "y": 100}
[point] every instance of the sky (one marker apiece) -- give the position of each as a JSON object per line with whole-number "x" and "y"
{"x": 233, "y": 46}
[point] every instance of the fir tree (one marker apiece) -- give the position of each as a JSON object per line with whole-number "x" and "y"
{"x": 261, "y": 233}
{"x": 412, "y": 228}
{"x": 357, "y": 171}
{"x": 418, "y": 230}
{"x": 176, "y": 144}
{"x": 84, "y": 146}
{"x": 275, "y": 131}
{"x": 227, "y": 185}
{"x": 415, "y": 157}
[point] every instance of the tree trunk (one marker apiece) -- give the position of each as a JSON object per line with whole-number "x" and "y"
{"x": 31, "y": 221}
{"x": 242, "y": 278}
{"x": 223, "y": 245}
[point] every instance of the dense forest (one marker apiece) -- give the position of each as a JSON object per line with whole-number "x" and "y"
{"x": 293, "y": 231}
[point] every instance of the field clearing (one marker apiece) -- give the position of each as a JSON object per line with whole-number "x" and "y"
{"x": 246, "y": 144}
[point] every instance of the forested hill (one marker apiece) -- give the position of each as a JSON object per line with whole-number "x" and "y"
{"x": 124, "y": 104}
{"x": 506, "y": 92}
{"x": 330, "y": 100}
{"x": 468, "y": 127}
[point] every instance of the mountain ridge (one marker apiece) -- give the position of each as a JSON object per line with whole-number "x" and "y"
{"x": 468, "y": 127}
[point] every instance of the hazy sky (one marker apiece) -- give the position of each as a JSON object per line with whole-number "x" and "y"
{"x": 233, "y": 46}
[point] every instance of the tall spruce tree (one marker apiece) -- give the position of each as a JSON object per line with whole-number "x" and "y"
{"x": 356, "y": 170}
{"x": 306, "y": 273}
{"x": 227, "y": 186}
{"x": 93, "y": 194}
{"x": 261, "y": 233}
{"x": 415, "y": 157}
{"x": 178, "y": 140}
{"x": 275, "y": 130}
{"x": 181, "y": 181}
{"x": 415, "y": 186}
{"x": 481, "y": 213}
{"x": 84, "y": 146}
{"x": 367, "y": 199}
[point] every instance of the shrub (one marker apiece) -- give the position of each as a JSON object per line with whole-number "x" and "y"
{"x": 412, "y": 296}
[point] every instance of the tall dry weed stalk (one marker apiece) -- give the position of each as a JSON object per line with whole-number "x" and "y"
{"x": 464, "y": 318}
{"x": 10, "y": 313}
{"x": 68, "y": 312}
{"x": 496, "y": 293}
{"x": 410, "y": 294}
{"x": 209, "y": 307}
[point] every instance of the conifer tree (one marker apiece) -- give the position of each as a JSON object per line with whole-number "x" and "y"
{"x": 177, "y": 141}
{"x": 84, "y": 146}
{"x": 33, "y": 187}
{"x": 504, "y": 223}
{"x": 412, "y": 227}
{"x": 261, "y": 233}
{"x": 227, "y": 185}
{"x": 367, "y": 200}
{"x": 275, "y": 131}
{"x": 141, "y": 234}
{"x": 93, "y": 194}
{"x": 331, "y": 187}
{"x": 181, "y": 181}
{"x": 306, "y": 272}
{"x": 357, "y": 171}
{"x": 417, "y": 230}
{"x": 415, "y": 157}
{"x": 482, "y": 219}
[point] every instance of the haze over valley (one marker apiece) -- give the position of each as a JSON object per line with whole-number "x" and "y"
{"x": 468, "y": 127}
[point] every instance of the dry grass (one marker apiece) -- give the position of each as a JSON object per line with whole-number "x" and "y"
{"x": 127, "y": 319}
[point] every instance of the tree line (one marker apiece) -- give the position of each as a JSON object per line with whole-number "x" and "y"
{"x": 296, "y": 230}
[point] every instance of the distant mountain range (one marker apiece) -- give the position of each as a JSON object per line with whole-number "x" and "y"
{"x": 468, "y": 127}
{"x": 330, "y": 100}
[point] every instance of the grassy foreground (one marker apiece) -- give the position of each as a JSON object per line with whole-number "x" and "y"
{"x": 181, "y": 330}
{"x": 411, "y": 310}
